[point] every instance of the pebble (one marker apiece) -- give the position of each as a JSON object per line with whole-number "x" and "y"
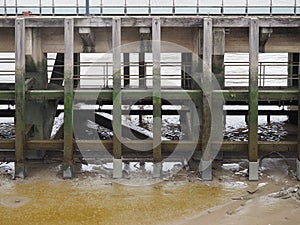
{"x": 267, "y": 132}
{"x": 7, "y": 131}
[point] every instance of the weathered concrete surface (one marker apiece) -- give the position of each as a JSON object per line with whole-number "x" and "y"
{"x": 179, "y": 30}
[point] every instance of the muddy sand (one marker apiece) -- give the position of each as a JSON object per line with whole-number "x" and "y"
{"x": 182, "y": 198}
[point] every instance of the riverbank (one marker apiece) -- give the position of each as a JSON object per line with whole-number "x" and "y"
{"x": 93, "y": 197}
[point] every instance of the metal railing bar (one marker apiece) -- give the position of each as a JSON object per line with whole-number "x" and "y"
{"x": 87, "y": 7}
{"x": 5, "y": 9}
{"x": 53, "y": 10}
{"x": 173, "y": 8}
{"x": 40, "y": 7}
{"x": 16, "y": 4}
{"x": 101, "y": 7}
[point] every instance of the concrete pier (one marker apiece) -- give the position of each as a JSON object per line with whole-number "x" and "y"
{"x": 200, "y": 42}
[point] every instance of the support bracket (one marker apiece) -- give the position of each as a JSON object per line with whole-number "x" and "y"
{"x": 264, "y": 35}
{"x": 88, "y": 39}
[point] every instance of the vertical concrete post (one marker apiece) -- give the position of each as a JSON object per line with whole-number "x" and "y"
{"x": 157, "y": 116}
{"x": 218, "y": 54}
{"x": 290, "y": 69}
{"x": 20, "y": 167}
{"x": 186, "y": 70}
{"x": 36, "y": 112}
{"x": 298, "y": 133}
{"x": 205, "y": 166}
{"x": 186, "y": 83}
{"x": 117, "y": 99}
{"x": 205, "y": 163}
{"x": 76, "y": 70}
{"x": 293, "y": 68}
{"x": 126, "y": 70}
{"x": 253, "y": 99}
{"x": 68, "y": 98}
{"x": 144, "y": 47}
{"x": 195, "y": 116}
{"x": 185, "y": 120}
{"x": 142, "y": 68}
{"x": 218, "y": 70}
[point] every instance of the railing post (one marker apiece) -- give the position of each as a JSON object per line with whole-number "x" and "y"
{"x": 5, "y": 8}
{"x": 246, "y": 9}
{"x": 20, "y": 168}
{"x": 68, "y": 98}
{"x": 40, "y": 7}
{"x": 271, "y": 7}
{"x": 53, "y": 8}
{"x": 173, "y": 7}
{"x": 101, "y": 7}
{"x": 87, "y": 7}
{"x": 125, "y": 7}
{"x": 149, "y": 8}
{"x": 16, "y": 7}
{"x": 77, "y": 8}
{"x": 295, "y": 8}
{"x": 197, "y": 10}
{"x": 222, "y": 7}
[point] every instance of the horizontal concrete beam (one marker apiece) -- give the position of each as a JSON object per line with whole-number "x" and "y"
{"x": 167, "y": 146}
{"x": 166, "y": 21}
{"x": 228, "y": 95}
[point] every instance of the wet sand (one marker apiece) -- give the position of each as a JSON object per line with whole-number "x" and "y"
{"x": 262, "y": 209}
{"x": 91, "y": 198}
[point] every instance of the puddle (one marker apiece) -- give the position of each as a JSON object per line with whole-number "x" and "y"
{"x": 92, "y": 200}
{"x": 14, "y": 201}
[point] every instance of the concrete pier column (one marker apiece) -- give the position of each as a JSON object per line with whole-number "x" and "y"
{"x": 298, "y": 132}
{"x": 253, "y": 99}
{"x": 20, "y": 164}
{"x": 293, "y": 69}
{"x": 186, "y": 70}
{"x": 68, "y": 164}
{"x": 218, "y": 55}
{"x": 185, "y": 121}
{"x": 186, "y": 83}
{"x": 218, "y": 69}
{"x": 205, "y": 166}
{"x": 157, "y": 115}
{"x": 117, "y": 99}
{"x": 195, "y": 116}
{"x": 37, "y": 113}
{"x": 76, "y": 70}
{"x": 144, "y": 47}
{"x": 126, "y": 70}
